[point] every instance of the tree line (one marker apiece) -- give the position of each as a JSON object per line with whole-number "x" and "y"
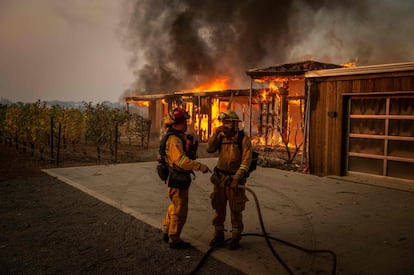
{"x": 36, "y": 127}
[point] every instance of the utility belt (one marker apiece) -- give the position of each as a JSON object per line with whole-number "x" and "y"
{"x": 217, "y": 176}
{"x": 224, "y": 177}
{"x": 223, "y": 172}
{"x": 179, "y": 178}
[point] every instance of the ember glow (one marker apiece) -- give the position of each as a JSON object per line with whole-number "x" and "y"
{"x": 139, "y": 103}
{"x": 272, "y": 79}
{"x": 280, "y": 110}
{"x": 202, "y": 121}
{"x": 189, "y": 109}
{"x": 351, "y": 63}
{"x": 215, "y": 110}
{"x": 176, "y": 44}
{"x": 201, "y": 126}
{"x": 218, "y": 84}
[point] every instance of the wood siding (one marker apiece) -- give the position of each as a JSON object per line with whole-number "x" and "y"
{"x": 328, "y": 114}
{"x": 156, "y": 115}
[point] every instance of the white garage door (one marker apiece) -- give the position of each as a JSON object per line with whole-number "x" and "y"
{"x": 381, "y": 135}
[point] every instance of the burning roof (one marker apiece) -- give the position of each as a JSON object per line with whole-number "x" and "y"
{"x": 221, "y": 93}
{"x": 291, "y": 69}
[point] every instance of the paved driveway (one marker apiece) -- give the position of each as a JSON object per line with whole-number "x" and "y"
{"x": 370, "y": 228}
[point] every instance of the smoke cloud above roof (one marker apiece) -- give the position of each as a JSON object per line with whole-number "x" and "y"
{"x": 178, "y": 45}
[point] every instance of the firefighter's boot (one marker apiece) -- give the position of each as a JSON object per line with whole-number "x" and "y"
{"x": 234, "y": 244}
{"x": 216, "y": 241}
{"x": 165, "y": 237}
{"x": 180, "y": 245}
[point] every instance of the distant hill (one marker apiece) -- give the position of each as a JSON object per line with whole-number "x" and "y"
{"x": 66, "y": 104}
{"x": 5, "y": 101}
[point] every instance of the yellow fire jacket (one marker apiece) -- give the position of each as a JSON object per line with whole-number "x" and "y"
{"x": 176, "y": 155}
{"x": 231, "y": 159}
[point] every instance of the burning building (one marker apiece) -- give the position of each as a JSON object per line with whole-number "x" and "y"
{"x": 203, "y": 106}
{"x": 272, "y": 110}
{"x": 344, "y": 121}
{"x": 308, "y": 106}
{"x": 280, "y": 103}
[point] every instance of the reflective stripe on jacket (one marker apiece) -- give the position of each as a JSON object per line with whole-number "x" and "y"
{"x": 176, "y": 155}
{"x": 231, "y": 159}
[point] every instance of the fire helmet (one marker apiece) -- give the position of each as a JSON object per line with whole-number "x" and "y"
{"x": 175, "y": 116}
{"x": 228, "y": 115}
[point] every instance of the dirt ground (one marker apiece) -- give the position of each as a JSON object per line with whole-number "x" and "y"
{"x": 48, "y": 227}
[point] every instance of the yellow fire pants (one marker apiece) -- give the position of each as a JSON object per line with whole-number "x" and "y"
{"x": 237, "y": 202}
{"x": 176, "y": 215}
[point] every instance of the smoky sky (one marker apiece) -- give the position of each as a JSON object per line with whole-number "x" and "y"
{"x": 62, "y": 50}
{"x": 180, "y": 44}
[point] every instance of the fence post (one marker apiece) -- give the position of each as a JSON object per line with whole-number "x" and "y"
{"x": 58, "y": 145}
{"x": 148, "y": 133}
{"x": 116, "y": 142}
{"x": 142, "y": 133}
{"x": 51, "y": 139}
{"x": 16, "y": 141}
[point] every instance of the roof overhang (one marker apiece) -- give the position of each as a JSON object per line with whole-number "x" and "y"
{"x": 223, "y": 93}
{"x": 213, "y": 93}
{"x": 371, "y": 69}
{"x": 290, "y": 69}
{"x": 147, "y": 97}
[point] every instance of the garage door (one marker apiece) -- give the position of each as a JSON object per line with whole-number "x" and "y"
{"x": 380, "y": 138}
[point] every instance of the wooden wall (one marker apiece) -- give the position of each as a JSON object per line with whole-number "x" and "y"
{"x": 156, "y": 115}
{"x": 327, "y": 147}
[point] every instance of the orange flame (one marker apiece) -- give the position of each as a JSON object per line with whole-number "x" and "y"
{"x": 140, "y": 103}
{"x": 189, "y": 109}
{"x": 351, "y": 63}
{"x": 273, "y": 84}
{"x": 271, "y": 135}
{"x": 295, "y": 102}
{"x": 215, "y": 110}
{"x": 269, "y": 79}
{"x": 263, "y": 95}
{"x": 203, "y": 120}
{"x": 218, "y": 84}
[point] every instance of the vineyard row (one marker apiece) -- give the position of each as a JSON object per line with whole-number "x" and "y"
{"x": 46, "y": 130}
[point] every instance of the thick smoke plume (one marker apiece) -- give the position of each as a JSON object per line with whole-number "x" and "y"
{"x": 181, "y": 44}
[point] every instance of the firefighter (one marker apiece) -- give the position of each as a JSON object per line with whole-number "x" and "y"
{"x": 179, "y": 179}
{"x": 235, "y": 156}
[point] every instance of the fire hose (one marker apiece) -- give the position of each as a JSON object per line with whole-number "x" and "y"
{"x": 269, "y": 244}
